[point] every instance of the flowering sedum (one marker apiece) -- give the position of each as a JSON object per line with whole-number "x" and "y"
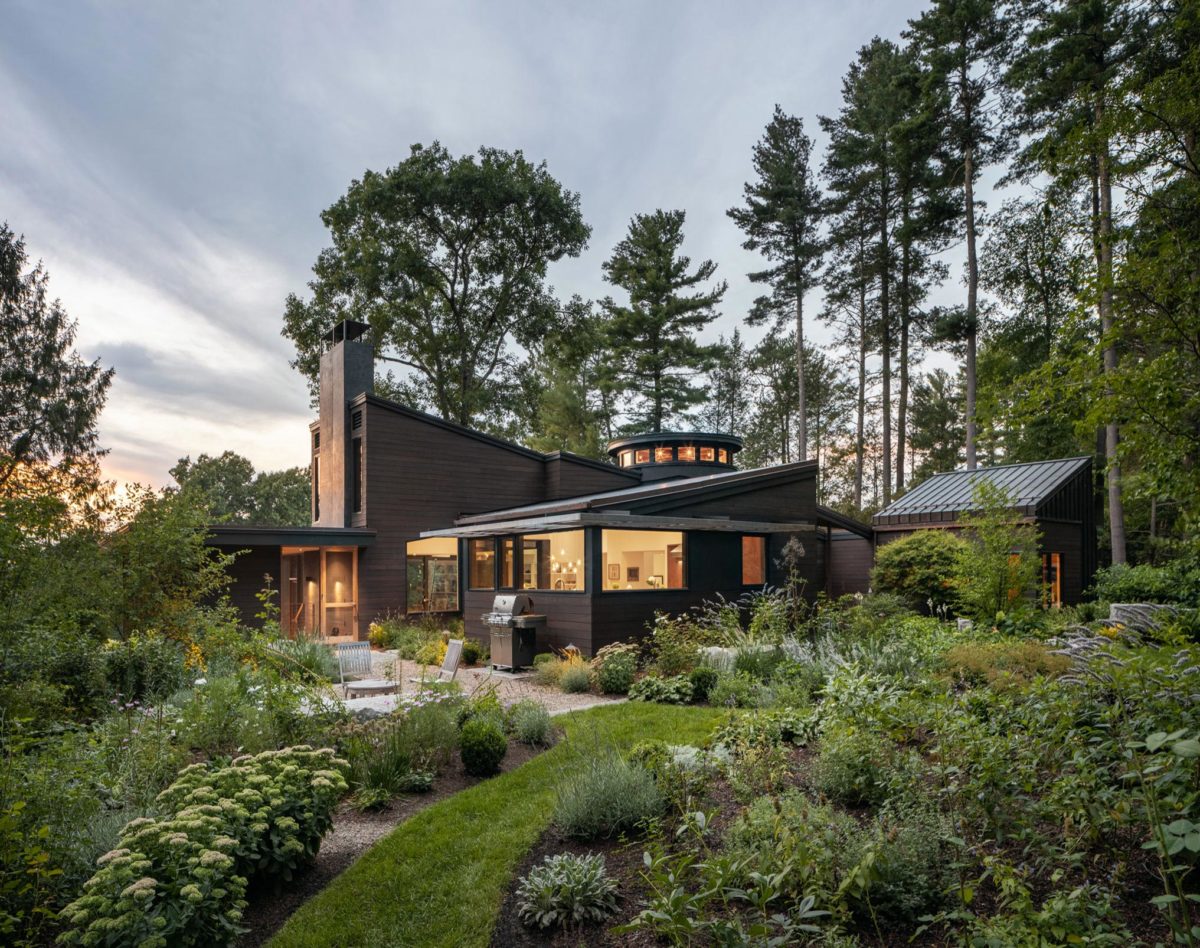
{"x": 181, "y": 880}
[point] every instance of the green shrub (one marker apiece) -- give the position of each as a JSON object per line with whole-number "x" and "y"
{"x": 575, "y": 678}
{"x": 541, "y": 658}
{"x": 920, "y": 568}
{"x": 736, "y": 690}
{"x": 702, "y": 680}
{"x": 548, "y": 673}
{"x": 1174, "y": 583}
{"x": 305, "y": 656}
{"x": 472, "y": 651}
{"x": 391, "y": 755}
{"x": 681, "y": 772}
{"x": 431, "y": 653}
{"x": 675, "y": 643}
{"x": 1003, "y": 664}
{"x": 615, "y": 675}
{"x": 674, "y": 690}
{"x": 757, "y": 661}
{"x": 179, "y": 880}
{"x": 605, "y": 796}
{"x": 530, "y": 723}
{"x": 483, "y": 746}
{"x": 566, "y": 890}
{"x": 855, "y": 768}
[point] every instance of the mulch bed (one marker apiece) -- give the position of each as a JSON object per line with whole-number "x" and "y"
{"x": 623, "y": 859}
{"x": 353, "y": 834}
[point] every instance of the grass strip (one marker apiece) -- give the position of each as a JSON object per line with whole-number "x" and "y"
{"x": 438, "y": 878}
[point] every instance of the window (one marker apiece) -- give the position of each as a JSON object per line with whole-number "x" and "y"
{"x": 686, "y": 454}
{"x": 663, "y": 455}
{"x": 356, "y": 453}
{"x": 553, "y": 561}
{"x": 508, "y": 564}
{"x": 356, "y": 421}
{"x": 481, "y": 564}
{"x": 642, "y": 560}
{"x": 626, "y": 458}
{"x": 708, "y": 454}
{"x": 642, "y": 456}
{"x": 316, "y": 489}
{"x": 1052, "y": 580}
{"x": 754, "y": 561}
{"x": 432, "y": 575}
{"x": 723, "y": 456}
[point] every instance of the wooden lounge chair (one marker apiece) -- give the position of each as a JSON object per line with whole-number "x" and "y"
{"x": 449, "y": 667}
{"x": 354, "y": 658}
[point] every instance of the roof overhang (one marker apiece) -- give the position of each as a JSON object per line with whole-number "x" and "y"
{"x": 577, "y": 520}
{"x": 237, "y": 535}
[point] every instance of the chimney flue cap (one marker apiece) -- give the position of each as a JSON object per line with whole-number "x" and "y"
{"x": 348, "y": 330}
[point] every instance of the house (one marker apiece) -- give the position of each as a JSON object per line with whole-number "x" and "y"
{"x": 415, "y": 515}
{"x": 1058, "y": 497}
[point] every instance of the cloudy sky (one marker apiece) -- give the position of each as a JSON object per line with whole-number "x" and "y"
{"x": 169, "y": 161}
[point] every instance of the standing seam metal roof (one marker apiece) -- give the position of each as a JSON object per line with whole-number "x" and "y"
{"x": 950, "y": 493}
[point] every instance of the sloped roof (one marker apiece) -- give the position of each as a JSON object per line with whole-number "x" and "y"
{"x": 945, "y": 495}
{"x": 630, "y": 496}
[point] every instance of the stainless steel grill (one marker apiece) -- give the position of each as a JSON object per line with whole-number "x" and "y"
{"x": 513, "y": 626}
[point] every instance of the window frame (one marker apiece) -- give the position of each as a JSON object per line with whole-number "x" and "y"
{"x": 761, "y": 538}
{"x": 470, "y": 558}
{"x": 684, "y": 544}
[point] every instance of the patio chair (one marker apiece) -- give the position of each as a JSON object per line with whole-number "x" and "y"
{"x": 449, "y": 668}
{"x": 354, "y": 658}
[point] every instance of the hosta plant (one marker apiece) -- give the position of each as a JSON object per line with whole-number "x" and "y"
{"x": 567, "y": 890}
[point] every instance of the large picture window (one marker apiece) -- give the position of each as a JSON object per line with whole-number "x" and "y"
{"x": 433, "y": 575}
{"x": 754, "y": 561}
{"x": 553, "y": 561}
{"x": 642, "y": 560}
{"x": 481, "y": 564}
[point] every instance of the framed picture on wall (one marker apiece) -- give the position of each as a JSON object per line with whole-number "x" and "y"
{"x": 614, "y": 571}
{"x": 633, "y": 574}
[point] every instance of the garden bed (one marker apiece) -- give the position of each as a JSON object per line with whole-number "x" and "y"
{"x": 354, "y": 832}
{"x": 439, "y": 878}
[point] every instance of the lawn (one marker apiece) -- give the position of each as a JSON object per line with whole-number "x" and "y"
{"x": 439, "y": 878}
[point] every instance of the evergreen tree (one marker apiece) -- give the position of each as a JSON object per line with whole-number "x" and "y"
{"x": 959, "y": 42}
{"x": 860, "y": 169}
{"x": 848, "y": 308}
{"x": 780, "y": 219}
{"x": 728, "y": 407}
{"x": 653, "y": 337}
{"x": 938, "y": 420}
{"x": 1072, "y": 61}
{"x": 50, "y": 399}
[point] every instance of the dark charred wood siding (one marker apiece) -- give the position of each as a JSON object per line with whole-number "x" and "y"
{"x": 568, "y": 477}
{"x": 850, "y": 561}
{"x": 248, "y": 578}
{"x": 420, "y": 476}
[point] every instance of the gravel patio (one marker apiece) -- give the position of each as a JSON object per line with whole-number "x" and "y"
{"x": 509, "y": 688}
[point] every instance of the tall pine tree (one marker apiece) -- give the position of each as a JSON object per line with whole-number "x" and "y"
{"x": 653, "y": 337}
{"x": 781, "y": 220}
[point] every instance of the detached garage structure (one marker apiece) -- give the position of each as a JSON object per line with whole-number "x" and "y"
{"x": 1057, "y": 496}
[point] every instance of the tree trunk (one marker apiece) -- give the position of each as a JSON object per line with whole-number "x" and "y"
{"x": 905, "y": 317}
{"x": 885, "y": 339}
{"x": 801, "y": 405}
{"x": 1116, "y": 509}
{"x": 972, "y": 300}
{"x": 860, "y": 421}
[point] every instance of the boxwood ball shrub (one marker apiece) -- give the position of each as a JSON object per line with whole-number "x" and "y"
{"x": 566, "y": 890}
{"x": 605, "y": 796}
{"x": 920, "y": 568}
{"x": 483, "y": 746}
{"x": 472, "y": 651}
